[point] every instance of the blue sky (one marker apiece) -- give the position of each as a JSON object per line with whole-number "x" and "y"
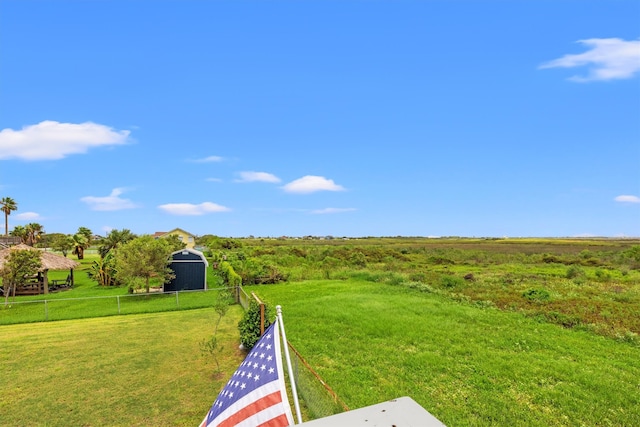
{"x": 344, "y": 118}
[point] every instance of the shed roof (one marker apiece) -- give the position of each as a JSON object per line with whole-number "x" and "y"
{"x": 190, "y": 251}
{"x": 50, "y": 261}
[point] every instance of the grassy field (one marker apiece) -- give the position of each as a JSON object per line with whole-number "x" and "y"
{"x": 137, "y": 370}
{"x": 467, "y": 365}
{"x": 589, "y": 284}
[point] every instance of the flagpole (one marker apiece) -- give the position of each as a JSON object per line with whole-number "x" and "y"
{"x": 294, "y": 391}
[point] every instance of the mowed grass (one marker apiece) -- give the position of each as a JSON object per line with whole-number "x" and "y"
{"x": 30, "y": 309}
{"x": 137, "y": 370}
{"x": 466, "y": 365}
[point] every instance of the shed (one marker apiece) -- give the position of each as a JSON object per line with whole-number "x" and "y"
{"x": 190, "y": 269}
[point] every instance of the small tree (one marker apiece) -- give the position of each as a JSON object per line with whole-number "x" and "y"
{"x": 212, "y": 345}
{"x": 142, "y": 259}
{"x": 19, "y": 264}
{"x": 63, "y": 243}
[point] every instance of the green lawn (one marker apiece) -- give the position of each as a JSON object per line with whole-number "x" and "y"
{"x": 466, "y": 365}
{"x": 139, "y": 370}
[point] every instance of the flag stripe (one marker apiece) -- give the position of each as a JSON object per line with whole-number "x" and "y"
{"x": 257, "y": 406}
{"x": 268, "y": 417}
{"x": 280, "y": 421}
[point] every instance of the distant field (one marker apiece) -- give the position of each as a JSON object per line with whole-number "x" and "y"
{"x": 589, "y": 284}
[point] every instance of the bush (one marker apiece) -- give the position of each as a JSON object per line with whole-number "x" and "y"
{"x": 439, "y": 260}
{"x": 562, "y": 319}
{"x": 450, "y": 282}
{"x": 574, "y": 272}
{"x": 254, "y": 271}
{"x": 537, "y": 295}
{"x": 249, "y": 325}
{"x": 603, "y": 274}
{"x": 229, "y": 276}
{"x": 357, "y": 259}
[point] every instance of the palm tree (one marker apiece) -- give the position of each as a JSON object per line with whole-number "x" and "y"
{"x": 114, "y": 239}
{"x": 34, "y": 233}
{"x": 21, "y": 232}
{"x": 80, "y": 243}
{"x": 7, "y": 205}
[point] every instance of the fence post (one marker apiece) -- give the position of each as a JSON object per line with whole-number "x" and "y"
{"x": 46, "y": 311}
{"x": 177, "y": 300}
{"x": 118, "y": 298}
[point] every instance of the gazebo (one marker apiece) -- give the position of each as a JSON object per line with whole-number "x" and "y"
{"x": 50, "y": 261}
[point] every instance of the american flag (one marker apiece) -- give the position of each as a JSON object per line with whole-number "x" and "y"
{"x": 256, "y": 394}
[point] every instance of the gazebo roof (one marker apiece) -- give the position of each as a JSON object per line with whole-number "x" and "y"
{"x": 50, "y": 261}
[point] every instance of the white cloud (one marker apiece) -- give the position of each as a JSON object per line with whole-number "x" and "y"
{"x": 627, "y": 199}
{"x": 257, "y": 177}
{"x": 332, "y": 210}
{"x": 210, "y": 159}
{"x": 112, "y": 202}
{"x": 191, "y": 209}
{"x": 50, "y": 140}
{"x": 310, "y": 184}
{"x": 28, "y": 216}
{"x": 608, "y": 59}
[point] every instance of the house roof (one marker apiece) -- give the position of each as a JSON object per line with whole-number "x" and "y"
{"x": 50, "y": 261}
{"x": 163, "y": 233}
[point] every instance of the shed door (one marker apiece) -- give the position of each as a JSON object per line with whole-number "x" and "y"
{"x": 189, "y": 275}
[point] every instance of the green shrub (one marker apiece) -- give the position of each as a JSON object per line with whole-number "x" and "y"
{"x": 421, "y": 287}
{"x": 536, "y": 295}
{"x": 603, "y": 274}
{"x": 418, "y": 277}
{"x": 574, "y": 272}
{"x": 562, "y": 319}
{"x": 249, "y": 325}
{"x": 439, "y": 260}
{"x": 229, "y": 276}
{"x": 357, "y": 259}
{"x": 255, "y": 271}
{"x": 550, "y": 259}
{"x": 450, "y": 282}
